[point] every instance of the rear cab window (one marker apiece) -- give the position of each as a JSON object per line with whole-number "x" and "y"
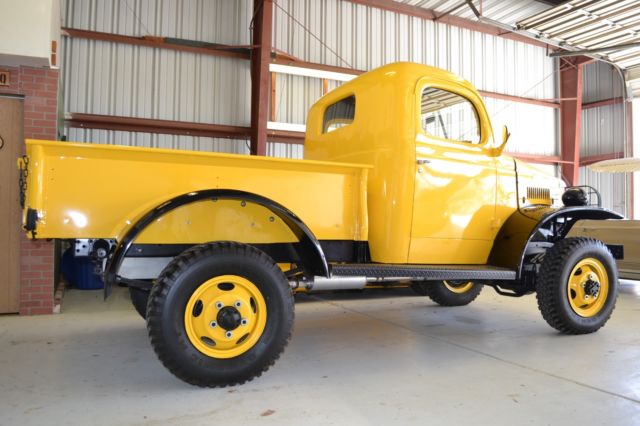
{"x": 339, "y": 114}
{"x": 449, "y": 116}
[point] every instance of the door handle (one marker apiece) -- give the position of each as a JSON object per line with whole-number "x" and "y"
{"x": 422, "y": 161}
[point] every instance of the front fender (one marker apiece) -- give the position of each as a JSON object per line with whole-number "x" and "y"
{"x": 533, "y": 224}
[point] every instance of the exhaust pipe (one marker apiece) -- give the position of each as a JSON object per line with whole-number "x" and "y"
{"x": 339, "y": 283}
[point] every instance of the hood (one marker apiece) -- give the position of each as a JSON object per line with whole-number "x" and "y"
{"x": 537, "y": 184}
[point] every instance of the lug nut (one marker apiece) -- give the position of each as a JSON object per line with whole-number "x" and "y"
{"x": 219, "y": 305}
{"x": 238, "y": 304}
{"x": 228, "y": 334}
{"x": 212, "y": 324}
{"x": 244, "y": 321}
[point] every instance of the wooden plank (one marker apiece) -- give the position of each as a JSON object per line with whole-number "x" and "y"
{"x": 625, "y": 232}
{"x": 11, "y": 127}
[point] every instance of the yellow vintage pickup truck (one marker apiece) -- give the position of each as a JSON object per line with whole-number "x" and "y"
{"x": 402, "y": 180}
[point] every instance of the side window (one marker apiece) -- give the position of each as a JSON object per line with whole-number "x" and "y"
{"x": 339, "y": 115}
{"x": 449, "y": 116}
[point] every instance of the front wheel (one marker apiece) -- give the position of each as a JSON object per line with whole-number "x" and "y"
{"x": 220, "y": 314}
{"x": 449, "y": 293}
{"x": 577, "y": 285}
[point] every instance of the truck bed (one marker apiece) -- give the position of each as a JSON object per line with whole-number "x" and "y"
{"x": 99, "y": 191}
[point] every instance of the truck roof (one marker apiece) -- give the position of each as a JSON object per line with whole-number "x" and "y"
{"x": 409, "y": 73}
{"x": 386, "y": 102}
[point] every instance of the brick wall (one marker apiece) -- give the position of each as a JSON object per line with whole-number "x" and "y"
{"x": 36, "y": 277}
{"x": 39, "y": 86}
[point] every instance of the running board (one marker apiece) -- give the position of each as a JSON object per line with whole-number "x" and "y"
{"x": 425, "y": 272}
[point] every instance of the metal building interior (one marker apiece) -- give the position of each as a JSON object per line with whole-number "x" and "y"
{"x": 241, "y": 77}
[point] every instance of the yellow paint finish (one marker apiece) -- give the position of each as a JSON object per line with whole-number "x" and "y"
{"x": 454, "y": 200}
{"x": 441, "y": 212}
{"x": 222, "y": 220}
{"x": 458, "y": 287}
{"x": 583, "y": 304}
{"x": 284, "y": 267}
{"x": 531, "y": 176}
{"x": 506, "y": 191}
{"x": 455, "y": 191}
{"x": 201, "y": 316}
{"x": 383, "y": 135}
{"x": 441, "y": 251}
{"x": 99, "y": 191}
{"x": 528, "y": 176}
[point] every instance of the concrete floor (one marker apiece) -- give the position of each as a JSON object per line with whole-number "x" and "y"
{"x": 389, "y": 357}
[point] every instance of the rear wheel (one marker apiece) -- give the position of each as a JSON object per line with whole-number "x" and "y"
{"x": 220, "y": 314}
{"x": 449, "y": 293}
{"x": 139, "y": 298}
{"x": 577, "y": 286}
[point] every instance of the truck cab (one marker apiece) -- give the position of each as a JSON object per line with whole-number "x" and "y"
{"x": 440, "y": 188}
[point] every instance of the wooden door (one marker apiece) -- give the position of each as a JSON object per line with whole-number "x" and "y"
{"x": 11, "y": 141}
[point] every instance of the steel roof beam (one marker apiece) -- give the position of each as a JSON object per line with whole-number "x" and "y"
{"x": 593, "y": 51}
{"x": 484, "y": 25}
{"x": 596, "y": 20}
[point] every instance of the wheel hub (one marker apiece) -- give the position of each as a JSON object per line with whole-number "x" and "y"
{"x": 588, "y": 287}
{"x": 229, "y": 318}
{"x": 225, "y": 316}
{"x": 458, "y": 287}
{"x": 592, "y": 288}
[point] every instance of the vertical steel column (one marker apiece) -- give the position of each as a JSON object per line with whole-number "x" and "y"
{"x": 260, "y": 78}
{"x": 630, "y": 152}
{"x": 571, "y": 117}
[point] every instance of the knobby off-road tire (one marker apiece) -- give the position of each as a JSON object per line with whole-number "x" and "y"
{"x": 220, "y": 314}
{"x": 577, "y": 285}
{"x": 139, "y": 299}
{"x": 420, "y": 288}
{"x": 449, "y": 293}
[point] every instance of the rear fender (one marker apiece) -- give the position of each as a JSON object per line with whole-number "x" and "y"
{"x": 310, "y": 252}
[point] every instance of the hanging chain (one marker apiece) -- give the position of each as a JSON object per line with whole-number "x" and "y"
{"x": 22, "y": 181}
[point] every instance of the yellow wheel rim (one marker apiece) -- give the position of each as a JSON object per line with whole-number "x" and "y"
{"x": 225, "y": 316}
{"x": 588, "y": 287}
{"x": 458, "y": 287}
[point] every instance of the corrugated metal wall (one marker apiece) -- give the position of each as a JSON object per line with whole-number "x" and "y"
{"x": 603, "y": 133}
{"x": 533, "y": 128}
{"x": 107, "y": 78}
{"x": 364, "y": 38}
{"x": 117, "y": 79}
{"x": 601, "y": 81}
{"x": 219, "y": 21}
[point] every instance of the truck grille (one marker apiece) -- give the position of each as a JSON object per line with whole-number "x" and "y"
{"x": 537, "y": 195}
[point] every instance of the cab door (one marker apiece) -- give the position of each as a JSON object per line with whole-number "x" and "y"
{"x": 455, "y": 191}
